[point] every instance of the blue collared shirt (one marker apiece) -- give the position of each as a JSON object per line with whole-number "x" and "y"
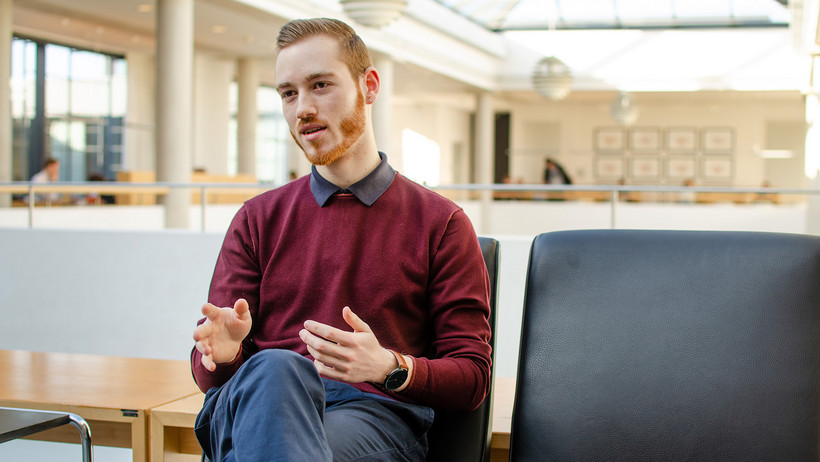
{"x": 367, "y": 190}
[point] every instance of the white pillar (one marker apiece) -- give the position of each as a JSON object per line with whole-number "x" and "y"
{"x": 175, "y": 19}
{"x": 212, "y": 81}
{"x": 383, "y": 110}
{"x": 484, "y": 135}
{"x": 247, "y": 115}
{"x": 140, "y": 129}
{"x": 5, "y": 97}
{"x": 812, "y": 151}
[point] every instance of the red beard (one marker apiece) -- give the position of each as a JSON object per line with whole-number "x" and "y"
{"x": 352, "y": 127}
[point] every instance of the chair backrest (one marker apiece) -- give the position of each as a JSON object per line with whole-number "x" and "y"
{"x": 669, "y": 345}
{"x": 465, "y": 436}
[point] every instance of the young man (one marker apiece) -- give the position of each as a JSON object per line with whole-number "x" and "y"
{"x": 49, "y": 174}
{"x": 344, "y": 305}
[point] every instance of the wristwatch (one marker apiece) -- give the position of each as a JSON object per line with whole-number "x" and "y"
{"x": 396, "y": 378}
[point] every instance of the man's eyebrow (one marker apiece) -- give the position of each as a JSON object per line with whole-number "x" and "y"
{"x": 311, "y": 77}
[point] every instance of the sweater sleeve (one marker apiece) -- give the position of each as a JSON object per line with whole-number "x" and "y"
{"x": 456, "y": 372}
{"x": 236, "y": 275}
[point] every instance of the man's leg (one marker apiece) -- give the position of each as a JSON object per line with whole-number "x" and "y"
{"x": 271, "y": 410}
{"x": 363, "y": 428}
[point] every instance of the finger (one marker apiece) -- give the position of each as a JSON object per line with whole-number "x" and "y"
{"x": 209, "y": 310}
{"x": 241, "y": 308}
{"x": 324, "y": 331}
{"x": 325, "y": 370}
{"x": 203, "y": 348}
{"x": 354, "y": 321}
{"x": 208, "y": 362}
{"x": 202, "y": 331}
{"x": 324, "y": 360}
{"x": 318, "y": 345}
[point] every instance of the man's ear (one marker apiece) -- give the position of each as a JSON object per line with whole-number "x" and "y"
{"x": 371, "y": 84}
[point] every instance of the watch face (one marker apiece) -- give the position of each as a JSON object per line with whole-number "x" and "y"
{"x": 395, "y": 379}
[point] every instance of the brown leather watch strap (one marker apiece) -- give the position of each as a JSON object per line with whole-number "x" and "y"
{"x": 399, "y": 358}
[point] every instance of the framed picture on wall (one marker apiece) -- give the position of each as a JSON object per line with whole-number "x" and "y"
{"x": 681, "y": 168}
{"x": 609, "y": 168}
{"x": 681, "y": 140}
{"x": 644, "y": 168}
{"x": 645, "y": 140}
{"x": 718, "y": 140}
{"x": 717, "y": 168}
{"x": 609, "y": 140}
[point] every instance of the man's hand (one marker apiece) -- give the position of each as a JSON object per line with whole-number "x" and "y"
{"x": 220, "y": 336}
{"x": 351, "y": 357}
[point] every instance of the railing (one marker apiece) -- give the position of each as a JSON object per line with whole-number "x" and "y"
{"x": 613, "y": 194}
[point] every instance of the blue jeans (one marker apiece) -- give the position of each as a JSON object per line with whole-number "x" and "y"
{"x": 277, "y": 408}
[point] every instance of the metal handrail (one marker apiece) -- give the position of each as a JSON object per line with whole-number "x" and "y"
{"x": 161, "y": 188}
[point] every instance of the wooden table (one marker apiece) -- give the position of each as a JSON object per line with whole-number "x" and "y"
{"x": 113, "y": 394}
{"x": 172, "y": 435}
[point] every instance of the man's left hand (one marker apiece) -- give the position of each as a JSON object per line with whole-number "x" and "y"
{"x": 351, "y": 357}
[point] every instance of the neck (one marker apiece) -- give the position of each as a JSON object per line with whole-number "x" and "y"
{"x": 361, "y": 159}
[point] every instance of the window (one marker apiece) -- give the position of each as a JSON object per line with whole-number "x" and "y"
{"x": 422, "y": 158}
{"x": 77, "y": 98}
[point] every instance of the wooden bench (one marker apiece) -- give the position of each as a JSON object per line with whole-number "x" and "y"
{"x": 113, "y": 394}
{"x": 173, "y": 440}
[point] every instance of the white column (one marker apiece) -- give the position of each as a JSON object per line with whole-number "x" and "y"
{"x": 247, "y": 115}
{"x": 812, "y": 150}
{"x": 140, "y": 128}
{"x": 5, "y": 97}
{"x": 383, "y": 111}
{"x": 212, "y": 80}
{"x": 174, "y": 104}
{"x": 484, "y": 135}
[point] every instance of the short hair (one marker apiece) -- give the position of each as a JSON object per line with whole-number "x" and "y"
{"x": 354, "y": 52}
{"x": 50, "y": 161}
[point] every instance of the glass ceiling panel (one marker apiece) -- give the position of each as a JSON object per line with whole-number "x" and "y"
{"x": 645, "y": 12}
{"x": 619, "y": 14}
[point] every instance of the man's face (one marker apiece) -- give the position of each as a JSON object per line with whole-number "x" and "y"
{"x": 322, "y": 103}
{"x": 53, "y": 171}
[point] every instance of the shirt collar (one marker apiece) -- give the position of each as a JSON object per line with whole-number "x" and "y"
{"x": 367, "y": 190}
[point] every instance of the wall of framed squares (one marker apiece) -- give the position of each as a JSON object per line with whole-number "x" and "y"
{"x": 664, "y": 155}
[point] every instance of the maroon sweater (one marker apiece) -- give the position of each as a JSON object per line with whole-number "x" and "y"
{"x": 409, "y": 265}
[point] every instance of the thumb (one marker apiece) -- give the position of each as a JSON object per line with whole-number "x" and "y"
{"x": 241, "y": 308}
{"x": 354, "y": 321}
{"x": 209, "y": 310}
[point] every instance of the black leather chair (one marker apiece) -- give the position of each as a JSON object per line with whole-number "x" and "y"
{"x": 669, "y": 345}
{"x": 465, "y": 436}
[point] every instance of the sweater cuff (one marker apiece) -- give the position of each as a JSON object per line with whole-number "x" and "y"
{"x": 419, "y": 377}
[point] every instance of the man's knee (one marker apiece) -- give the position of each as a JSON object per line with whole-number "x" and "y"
{"x": 277, "y": 365}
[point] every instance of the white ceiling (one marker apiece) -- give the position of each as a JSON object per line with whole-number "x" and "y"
{"x": 626, "y": 58}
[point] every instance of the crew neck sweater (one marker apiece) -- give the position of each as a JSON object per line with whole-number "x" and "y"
{"x": 409, "y": 265}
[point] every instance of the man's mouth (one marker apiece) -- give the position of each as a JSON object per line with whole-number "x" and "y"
{"x": 311, "y": 129}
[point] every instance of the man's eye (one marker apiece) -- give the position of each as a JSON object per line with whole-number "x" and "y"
{"x": 321, "y": 84}
{"x": 287, "y": 94}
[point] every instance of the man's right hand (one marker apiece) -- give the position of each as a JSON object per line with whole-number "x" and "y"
{"x": 220, "y": 337}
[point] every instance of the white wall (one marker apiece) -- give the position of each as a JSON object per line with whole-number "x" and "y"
{"x": 565, "y": 130}
{"x": 138, "y": 294}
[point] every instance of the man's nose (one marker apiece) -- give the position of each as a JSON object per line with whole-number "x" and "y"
{"x": 305, "y": 107}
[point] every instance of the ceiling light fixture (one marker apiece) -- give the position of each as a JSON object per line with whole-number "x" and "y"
{"x": 623, "y": 109}
{"x": 552, "y": 78}
{"x": 374, "y": 13}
